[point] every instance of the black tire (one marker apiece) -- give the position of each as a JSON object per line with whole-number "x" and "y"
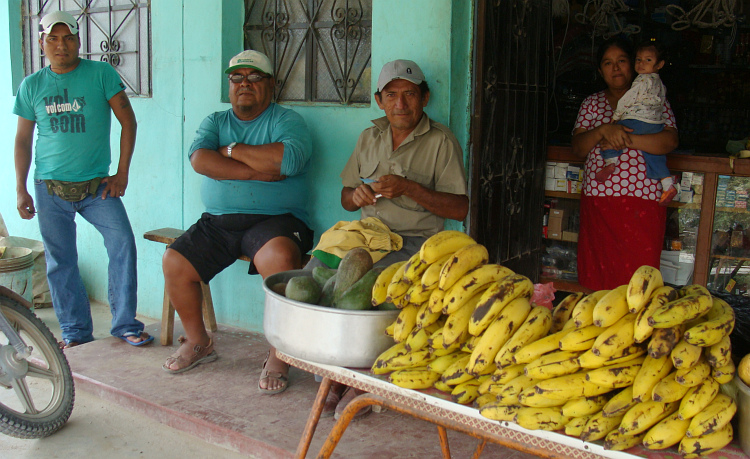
{"x": 51, "y": 387}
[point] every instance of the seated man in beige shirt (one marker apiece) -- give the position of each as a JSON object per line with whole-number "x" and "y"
{"x": 407, "y": 170}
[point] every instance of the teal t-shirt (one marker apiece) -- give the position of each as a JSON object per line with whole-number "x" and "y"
{"x": 73, "y": 117}
{"x": 275, "y": 124}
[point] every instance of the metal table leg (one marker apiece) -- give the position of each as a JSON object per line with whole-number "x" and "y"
{"x": 313, "y": 418}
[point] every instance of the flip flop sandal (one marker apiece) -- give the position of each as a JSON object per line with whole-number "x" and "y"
{"x": 265, "y": 374}
{"x": 201, "y": 354}
{"x": 66, "y": 344}
{"x": 139, "y": 343}
{"x": 335, "y": 394}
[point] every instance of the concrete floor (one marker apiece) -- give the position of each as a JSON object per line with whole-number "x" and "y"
{"x": 100, "y": 428}
{"x": 126, "y": 406}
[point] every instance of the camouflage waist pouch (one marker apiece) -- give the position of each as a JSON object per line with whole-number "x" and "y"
{"x": 73, "y": 191}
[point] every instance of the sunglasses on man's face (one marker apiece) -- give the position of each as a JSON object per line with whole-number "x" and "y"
{"x": 238, "y": 78}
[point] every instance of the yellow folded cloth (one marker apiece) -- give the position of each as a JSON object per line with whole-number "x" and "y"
{"x": 370, "y": 234}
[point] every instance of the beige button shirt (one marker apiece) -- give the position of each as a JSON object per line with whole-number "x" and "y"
{"x": 430, "y": 156}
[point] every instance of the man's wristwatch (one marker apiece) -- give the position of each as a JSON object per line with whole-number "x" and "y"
{"x": 229, "y": 149}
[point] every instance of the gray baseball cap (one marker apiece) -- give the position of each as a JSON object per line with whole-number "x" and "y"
{"x": 251, "y": 60}
{"x": 400, "y": 69}
{"x": 57, "y": 17}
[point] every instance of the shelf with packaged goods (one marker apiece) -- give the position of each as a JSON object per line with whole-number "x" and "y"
{"x": 711, "y": 166}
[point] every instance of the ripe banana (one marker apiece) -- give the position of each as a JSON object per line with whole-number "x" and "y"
{"x": 431, "y": 275}
{"x": 575, "y": 426}
{"x": 529, "y": 397}
{"x": 466, "y": 392}
{"x": 685, "y": 355}
{"x": 456, "y": 373}
{"x": 405, "y": 323}
{"x": 616, "y": 441}
{"x": 509, "y": 391}
{"x": 497, "y": 334}
{"x": 723, "y": 375}
{"x": 719, "y": 354}
{"x": 441, "y": 364}
{"x": 419, "y": 337}
{"x": 484, "y": 387}
{"x": 620, "y": 403}
{"x": 396, "y": 291}
{"x": 668, "y": 389}
{"x": 611, "y": 307}
{"x": 496, "y": 297}
{"x": 389, "y": 329}
{"x": 425, "y": 317}
{"x": 554, "y": 364}
{"x": 644, "y": 415}
{"x": 463, "y": 260}
{"x": 443, "y": 243}
{"x": 435, "y": 303}
{"x": 660, "y": 297}
{"x": 458, "y": 322}
{"x": 642, "y": 284}
{"x": 535, "y": 349}
{"x": 580, "y": 339}
{"x": 414, "y": 270}
{"x": 694, "y": 375}
{"x": 681, "y": 310}
{"x": 663, "y": 340}
{"x": 599, "y": 426}
{"x": 590, "y": 361}
{"x": 441, "y": 386}
{"x": 504, "y": 374}
{"x": 471, "y": 343}
{"x": 698, "y": 398}
{"x": 381, "y": 362}
{"x": 414, "y": 378}
{"x": 706, "y": 444}
{"x": 484, "y": 399}
{"x": 583, "y": 406}
{"x": 380, "y": 288}
{"x": 417, "y": 294}
{"x": 568, "y": 387}
{"x": 550, "y": 418}
{"x": 719, "y": 324}
{"x": 472, "y": 283}
{"x": 583, "y": 312}
{"x": 499, "y": 411}
{"x": 535, "y": 326}
{"x": 616, "y": 376}
{"x": 616, "y": 337}
{"x": 563, "y": 311}
{"x": 667, "y": 432}
{"x": 652, "y": 371}
{"x": 716, "y": 415}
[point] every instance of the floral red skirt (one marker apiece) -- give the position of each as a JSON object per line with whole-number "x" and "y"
{"x": 617, "y": 235}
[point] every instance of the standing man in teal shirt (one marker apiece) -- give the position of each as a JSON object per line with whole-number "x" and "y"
{"x": 70, "y": 103}
{"x": 254, "y": 158}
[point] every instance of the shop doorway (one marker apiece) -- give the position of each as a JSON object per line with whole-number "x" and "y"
{"x": 509, "y": 128}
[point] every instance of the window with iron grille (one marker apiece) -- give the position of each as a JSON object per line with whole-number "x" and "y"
{"x": 320, "y": 49}
{"x": 114, "y": 31}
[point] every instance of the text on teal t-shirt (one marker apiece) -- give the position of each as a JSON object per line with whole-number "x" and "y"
{"x": 73, "y": 118}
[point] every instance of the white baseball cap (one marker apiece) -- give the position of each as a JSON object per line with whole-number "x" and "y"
{"x": 250, "y": 59}
{"x": 57, "y": 17}
{"x": 400, "y": 69}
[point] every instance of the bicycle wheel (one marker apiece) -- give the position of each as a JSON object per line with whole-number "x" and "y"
{"x": 40, "y": 393}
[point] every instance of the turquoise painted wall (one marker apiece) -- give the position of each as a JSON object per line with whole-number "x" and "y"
{"x": 188, "y": 56}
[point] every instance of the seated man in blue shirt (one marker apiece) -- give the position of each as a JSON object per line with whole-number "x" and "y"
{"x": 254, "y": 158}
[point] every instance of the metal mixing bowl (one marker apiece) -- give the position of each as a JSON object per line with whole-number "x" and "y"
{"x": 324, "y": 335}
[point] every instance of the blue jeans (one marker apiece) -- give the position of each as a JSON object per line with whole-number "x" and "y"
{"x": 656, "y": 165}
{"x": 58, "y": 228}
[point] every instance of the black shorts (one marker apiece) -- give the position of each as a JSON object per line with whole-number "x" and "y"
{"x": 216, "y": 241}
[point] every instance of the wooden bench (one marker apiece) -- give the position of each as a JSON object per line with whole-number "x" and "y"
{"x": 167, "y": 236}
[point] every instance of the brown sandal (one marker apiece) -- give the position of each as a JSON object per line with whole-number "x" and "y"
{"x": 201, "y": 354}
{"x": 335, "y": 393}
{"x": 265, "y": 374}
